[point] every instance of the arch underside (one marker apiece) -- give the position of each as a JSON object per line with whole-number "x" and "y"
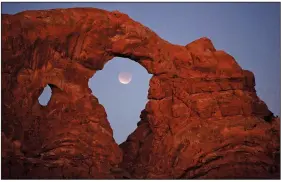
{"x": 203, "y": 118}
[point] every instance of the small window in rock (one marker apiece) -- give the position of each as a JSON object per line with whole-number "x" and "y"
{"x": 45, "y": 97}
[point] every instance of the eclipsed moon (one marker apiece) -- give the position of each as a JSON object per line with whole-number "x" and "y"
{"x": 125, "y": 77}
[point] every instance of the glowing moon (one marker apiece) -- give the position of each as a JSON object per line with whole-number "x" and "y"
{"x": 125, "y": 77}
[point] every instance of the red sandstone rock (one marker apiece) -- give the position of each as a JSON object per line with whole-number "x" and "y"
{"x": 203, "y": 118}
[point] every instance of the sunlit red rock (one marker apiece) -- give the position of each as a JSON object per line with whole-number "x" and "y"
{"x": 203, "y": 118}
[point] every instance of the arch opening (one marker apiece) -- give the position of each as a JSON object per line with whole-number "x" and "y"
{"x": 45, "y": 96}
{"x": 123, "y": 98}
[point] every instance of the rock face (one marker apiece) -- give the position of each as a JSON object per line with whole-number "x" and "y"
{"x": 203, "y": 118}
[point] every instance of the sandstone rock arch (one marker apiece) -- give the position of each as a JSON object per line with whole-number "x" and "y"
{"x": 203, "y": 118}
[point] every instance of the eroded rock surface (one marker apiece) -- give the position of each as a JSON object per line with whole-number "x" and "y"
{"x": 203, "y": 118}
